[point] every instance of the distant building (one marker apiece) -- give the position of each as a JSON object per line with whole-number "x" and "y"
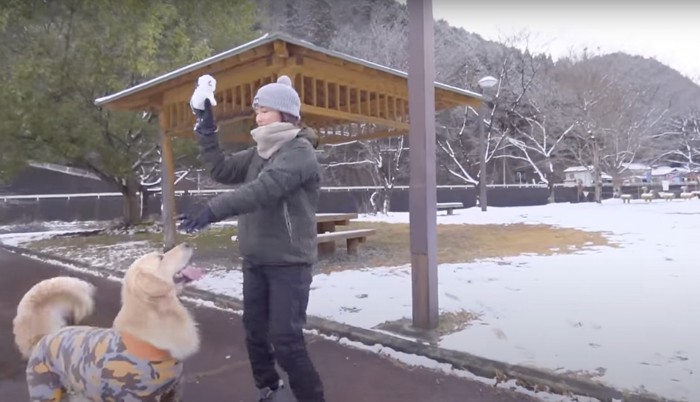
{"x": 583, "y": 175}
{"x": 673, "y": 175}
{"x": 635, "y": 173}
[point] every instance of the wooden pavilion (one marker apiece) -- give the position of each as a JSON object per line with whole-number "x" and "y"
{"x": 343, "y": 97}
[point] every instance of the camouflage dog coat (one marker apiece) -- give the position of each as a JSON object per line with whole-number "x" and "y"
{"x": 95, "y": 363}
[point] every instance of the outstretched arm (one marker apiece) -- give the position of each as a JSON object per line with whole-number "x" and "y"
{"x": 289, "y": 171}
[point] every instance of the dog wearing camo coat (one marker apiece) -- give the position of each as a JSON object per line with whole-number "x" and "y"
{"x": 139, "y": 359}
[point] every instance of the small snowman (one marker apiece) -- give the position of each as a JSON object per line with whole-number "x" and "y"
{"x": 206, "y": 85}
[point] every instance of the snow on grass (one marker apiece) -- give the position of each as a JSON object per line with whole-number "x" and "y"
{"x": 624, "y": 315}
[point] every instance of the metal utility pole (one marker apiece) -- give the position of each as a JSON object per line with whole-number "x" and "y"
{"x": 483, "y": 202}
{"x": 422, "y": 160}
{"x": 484, "y": 83}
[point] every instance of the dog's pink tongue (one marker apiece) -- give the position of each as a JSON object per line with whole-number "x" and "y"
{"x": 192, "y": 273}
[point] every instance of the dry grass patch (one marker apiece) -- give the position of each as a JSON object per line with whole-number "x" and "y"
{"x": 119, "y": 249}
{"x": 215, "y": 239}
{"x": 388, "y": 247}
{"x": 448, "y": 323}
{"x": 462, "y": 243}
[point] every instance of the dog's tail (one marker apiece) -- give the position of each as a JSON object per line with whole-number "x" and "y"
{"x": 49, "y": 306}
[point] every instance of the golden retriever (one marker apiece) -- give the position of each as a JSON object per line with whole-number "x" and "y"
{"x": 138, "y": 359}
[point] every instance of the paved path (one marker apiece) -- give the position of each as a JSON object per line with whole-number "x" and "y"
{"x": 220, "y": 370}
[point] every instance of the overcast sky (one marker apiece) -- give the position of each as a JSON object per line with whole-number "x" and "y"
{"x": 666, "y": 30}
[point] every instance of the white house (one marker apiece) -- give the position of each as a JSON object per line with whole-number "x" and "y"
{"x": 584, "y": 175}
{"x": 635, "y": 173}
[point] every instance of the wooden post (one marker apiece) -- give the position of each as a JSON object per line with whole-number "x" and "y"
{"x": 167, "y": 172}
{"x": 422, "y": 190}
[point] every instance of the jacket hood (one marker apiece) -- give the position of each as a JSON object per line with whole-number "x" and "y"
{"x": 310, "y": 135}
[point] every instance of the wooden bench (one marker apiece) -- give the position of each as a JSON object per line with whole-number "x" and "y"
{"x": 626, "y": 198}
{"x": 647, "y": 197}
{"x": 687, "y": 195}
{"x": 449, "y": 206}
{"x": 667, "y": 196}
{"x": 326, "y": 241}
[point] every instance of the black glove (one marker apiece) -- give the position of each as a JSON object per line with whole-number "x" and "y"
{"x": 204, "y": 120}
{"x": 197, "y": 220}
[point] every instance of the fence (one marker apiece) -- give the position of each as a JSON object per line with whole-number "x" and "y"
{"x": 108, "y": 206}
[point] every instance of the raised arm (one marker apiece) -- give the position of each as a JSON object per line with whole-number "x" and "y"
{"x": 225, "y": 169}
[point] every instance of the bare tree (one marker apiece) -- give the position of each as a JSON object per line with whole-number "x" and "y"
{"x": 536, "y": 143}
{"x": 614, "y": 121}
{"x": 628, "y": 133}
{"x": 536, "y": 123}
{"x": 382, "y": 160}
{"x": 682, "y": 136}
{"x": 460, "y": 146}
{"x": 590, "y": 91}
{"x": 382, "y": 41}
{"x": 517, "y": 71}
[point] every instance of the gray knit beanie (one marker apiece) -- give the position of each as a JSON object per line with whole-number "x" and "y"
{"x": 279, "y": 96}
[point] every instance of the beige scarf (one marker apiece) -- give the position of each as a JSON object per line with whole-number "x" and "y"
{"x": 271, "y": 137}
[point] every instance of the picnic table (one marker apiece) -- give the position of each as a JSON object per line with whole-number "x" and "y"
{"x": 327, "y": 235}
{"x": 327, "y": 222}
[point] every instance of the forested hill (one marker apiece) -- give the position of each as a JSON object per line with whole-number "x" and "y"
{"x": 643, "y": 72}
{"x": 547, "y": 111}
{"x": 58, "y": 57}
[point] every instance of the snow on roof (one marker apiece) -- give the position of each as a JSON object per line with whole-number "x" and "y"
{"x": 664, "y": 170}
{"x": 578, "y": 169}
{"x": 64, "y": 169}
{"x": 635, "y": 166}
{"x": 589, "y": 168}
{"x": 267, "y": 38}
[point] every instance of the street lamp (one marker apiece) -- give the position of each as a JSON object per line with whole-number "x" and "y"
{"x": 488, "y": 82}
{"x": 484, "y": 83}
{"x": 596, "y": 168}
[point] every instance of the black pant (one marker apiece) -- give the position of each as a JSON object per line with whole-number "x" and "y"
{"x": 274, "y": 314}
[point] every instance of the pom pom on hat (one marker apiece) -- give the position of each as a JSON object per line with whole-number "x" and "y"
{"x": 283, "y": 79}
{"x": 279, "y": 96}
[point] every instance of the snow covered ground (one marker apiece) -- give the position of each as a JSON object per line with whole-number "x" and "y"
{"x": 628, "y": 316}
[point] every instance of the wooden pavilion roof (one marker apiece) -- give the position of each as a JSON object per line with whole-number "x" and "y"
{"x": 343, "y": 97}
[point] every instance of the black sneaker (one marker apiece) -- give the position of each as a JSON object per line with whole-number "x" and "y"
{"x": 268, "y": 394}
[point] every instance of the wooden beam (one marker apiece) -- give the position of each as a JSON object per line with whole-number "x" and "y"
{"x": 338, "y": 114}
{"x": 167, "y": 172}
{"x": 139, "y": 101}
{"x": 241, "y": 135}
{"x": 330, "y": 72}
{"x": 367, "y": 78}
{"x": 451, "y": 99}
{"x": 280, "y": 49}
{"x": 185, "y": 130}
{"x": 224, "y": 81}
{"x": 339, "y": 139}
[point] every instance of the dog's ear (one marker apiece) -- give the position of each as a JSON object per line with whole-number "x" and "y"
{"x": 152, "y": 285}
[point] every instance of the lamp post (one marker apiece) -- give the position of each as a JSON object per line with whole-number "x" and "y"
{"x": 486, "y": 82}
{"x": 596, "y": 168}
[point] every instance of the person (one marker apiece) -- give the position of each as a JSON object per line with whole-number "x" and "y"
{"x": 276, "y": 205}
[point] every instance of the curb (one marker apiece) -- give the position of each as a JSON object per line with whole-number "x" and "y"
{"x": 533, "y": 379}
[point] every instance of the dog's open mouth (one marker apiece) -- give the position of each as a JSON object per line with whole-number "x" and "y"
{"x": 188, "y": 274}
